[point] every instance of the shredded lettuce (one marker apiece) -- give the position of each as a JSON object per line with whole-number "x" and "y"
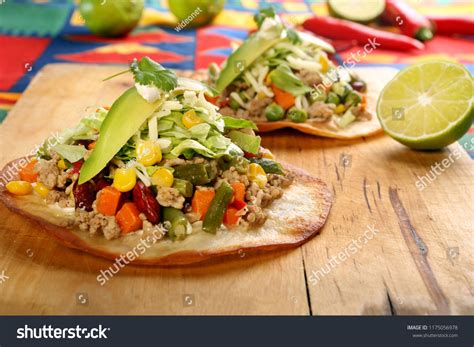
{"x": 71, "y": 153}
{"x": 192, "y": 145}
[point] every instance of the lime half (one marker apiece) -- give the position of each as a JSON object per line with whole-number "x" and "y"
{"x": 428, "y": 105}
{"x": 356, "y": 10}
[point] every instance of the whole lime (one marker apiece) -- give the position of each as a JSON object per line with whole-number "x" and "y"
{"x": 195, "y": 13}
{"x": 111, "y": 18}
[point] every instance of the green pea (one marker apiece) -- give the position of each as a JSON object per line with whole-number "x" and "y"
{"x": 333, "y": 99}
{"x": 317, "y": 95}
{"x": 297, "y": 115}
{"x": 274, "y": 112}
{"x": 234, "y": 104}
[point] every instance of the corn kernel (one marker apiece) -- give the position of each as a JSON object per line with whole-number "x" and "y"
{"x": 340, "y": 108}
{"x": 62, "y": 164}
{"x": 124, "y": 179}
{"x": 324, "y": 63}
{"x": 41, "y": 189}
{"x": 268, "y": 154}
{"x": 190, "y": 119}
{"x": 162, "y": 177}
{"x": 19, "y": 187}
{"x": 148, "y": 153}
{"x": 257, "y": 174}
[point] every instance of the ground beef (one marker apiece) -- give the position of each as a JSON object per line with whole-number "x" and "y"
{"x": 150, "y": 229}
{"x": 227, "y": 111}
{"x": 309, "y": 78}
{"x": 48, "y": 172}
{"x": 63, "y": 199}
{"x": 170, "y": 197}
{"x": 255, "y": 215}
{"x": 321, "y": 112}
{"x": 94, "y": 222}
{"x": 50, "y": 175}
{"x": 257, "y": 106}
{"x": 243, "y": 114}
{"x": 232, "y": 176}
{"x": 360, "y": 113}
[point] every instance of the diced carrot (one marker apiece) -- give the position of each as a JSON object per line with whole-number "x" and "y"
{"x": 108, "y": 201}
{"x": 282, "y": 98}
{"x": 91, "y": 145}
{"x": 128, "y": 218}
{"x": 363, "y": 103}
{"x": 239, "y": 191}
{"x": 202, "y": 200}
{"x": 231, "y": 217}
{"x": 28, "y": 173}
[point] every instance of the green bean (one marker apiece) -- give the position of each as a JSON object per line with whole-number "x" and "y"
{"x": 184, "y": 187}
{"x": 215, "y": 213}
{"x": 194, "y": 173}
{"x": 268, "y": 165}
{"x": 178, "y": 223}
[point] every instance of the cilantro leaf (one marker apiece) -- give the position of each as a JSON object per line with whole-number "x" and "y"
{"x": 293, "y": 36}
{"x": 268, "y": 12}
{"x": 148, "y": 72}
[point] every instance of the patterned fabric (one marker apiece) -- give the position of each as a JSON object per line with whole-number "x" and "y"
{"x": 36, "y": 33}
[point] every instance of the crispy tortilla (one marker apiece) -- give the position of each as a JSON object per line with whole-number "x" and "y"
{"x": 375, "y": 77}
{"x": 293, "y": 219}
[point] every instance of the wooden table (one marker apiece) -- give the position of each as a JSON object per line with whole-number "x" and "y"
{"x": 417, "y": 261}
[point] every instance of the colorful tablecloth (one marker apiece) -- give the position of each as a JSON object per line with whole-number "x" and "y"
{"x": 36, "y": 33}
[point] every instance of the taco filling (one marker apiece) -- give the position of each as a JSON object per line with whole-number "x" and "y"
{"x": 161, "y": 158}
{"x": 279, "y": 74}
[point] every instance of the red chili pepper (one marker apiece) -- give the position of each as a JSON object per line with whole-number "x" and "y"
{"x": 449, "y": 25}
{"x": 410, "y": 22}
{"x": 340, "y": 29}
{"x": 212, "y": 99}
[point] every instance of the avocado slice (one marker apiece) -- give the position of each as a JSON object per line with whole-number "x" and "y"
{"x": 244, "y": 56}
{"x": 123, "y": 120}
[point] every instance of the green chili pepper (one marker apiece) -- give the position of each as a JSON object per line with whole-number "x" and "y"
{"x": 178, "y": 223}
{"x": 274, "y": 112}
{"x": 268, "y": 165}
{"x": 184, "y": 187}
{"x": 297, "y": 115}
{"x": 195, "y": 173}
{"x": 215, "y": 214}
{"x": 226, "y": 161}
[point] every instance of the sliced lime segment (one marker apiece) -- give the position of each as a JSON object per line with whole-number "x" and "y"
{"x": 356, "y": 10}
{"x": 428, "y": 105}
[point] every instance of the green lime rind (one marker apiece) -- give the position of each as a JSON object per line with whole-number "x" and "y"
{"x": 356, "y": 11}
{"x": 455, "y": 129}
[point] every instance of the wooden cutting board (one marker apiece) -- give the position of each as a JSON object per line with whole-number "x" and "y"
{"x": 417, "y": 261}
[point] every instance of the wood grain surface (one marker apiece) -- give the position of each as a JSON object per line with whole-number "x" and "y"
{"x": 387, "y": 248}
